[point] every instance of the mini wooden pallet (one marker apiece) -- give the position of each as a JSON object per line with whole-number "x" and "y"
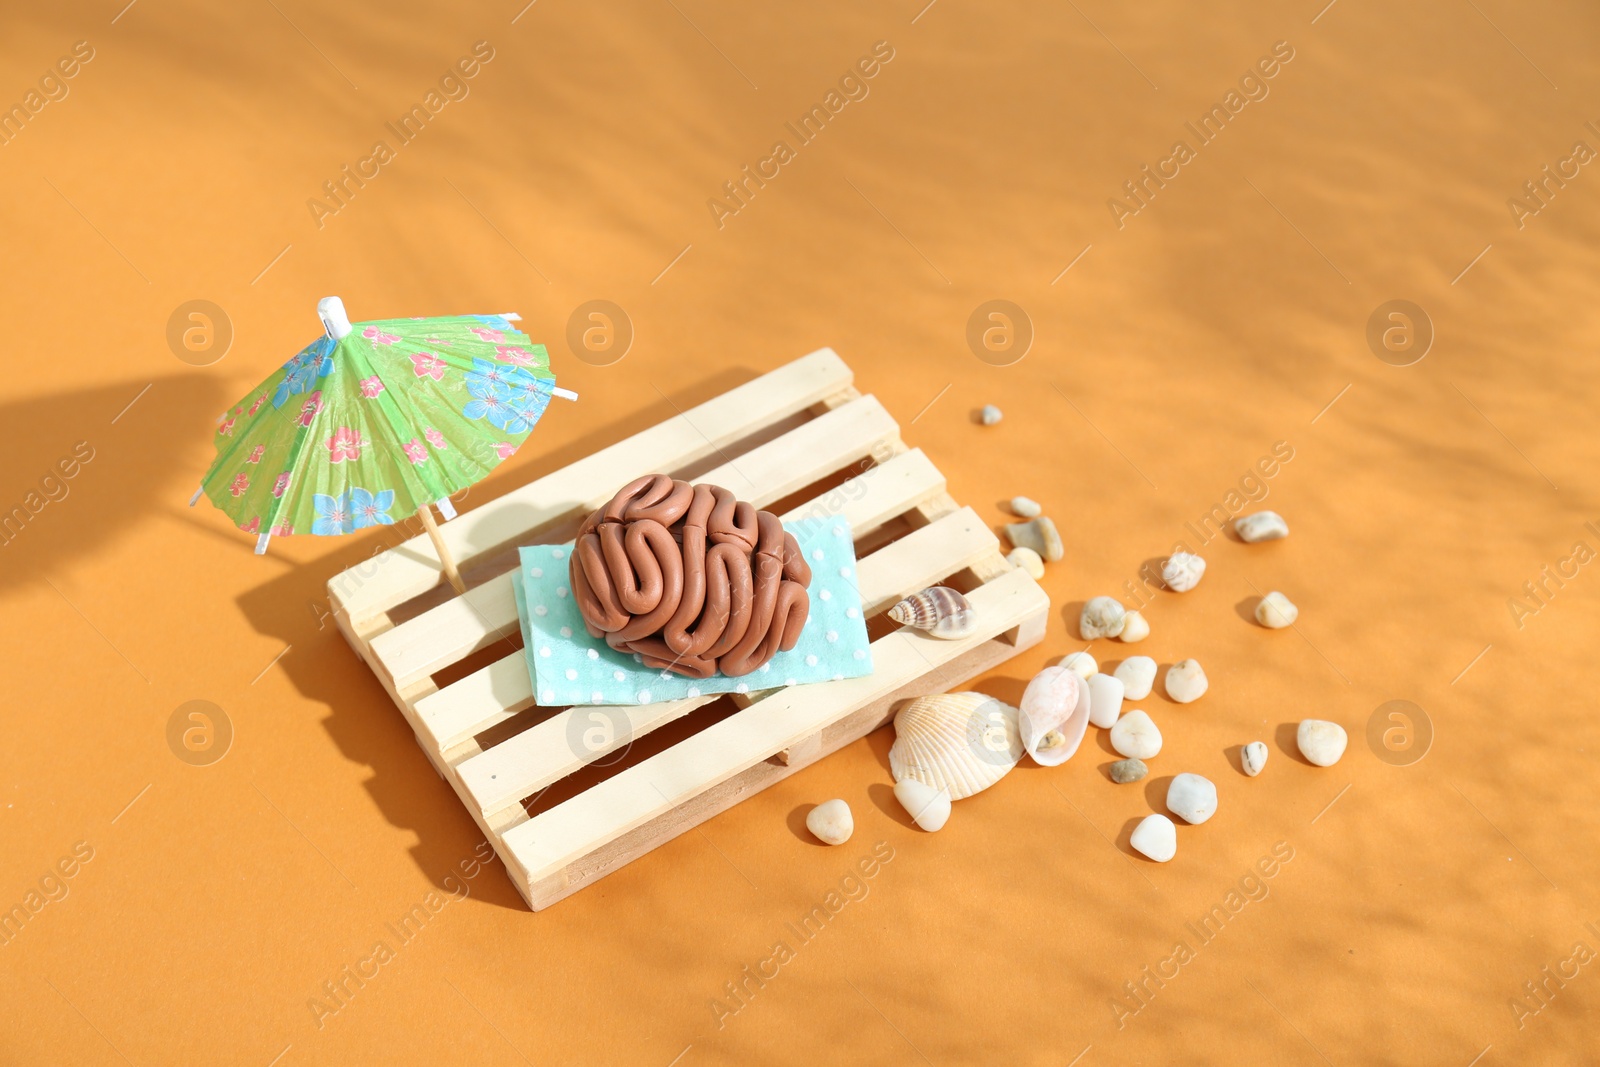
{"x": 789, "y": 438}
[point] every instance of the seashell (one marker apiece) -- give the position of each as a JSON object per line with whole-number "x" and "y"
{"x": 1026, "y": 507}
{"x": 1262, "y": 526}
{"x": 1102, "y": 616}
{"x": 1182, "y": 571}
{"x": 928, "y": 807}
{"x": 990, "y": 415}
{"x": 1134, "y": 627}
{"x": 960, "y": 742}
{"x": 1138, "y": 674}
{"x": 1080, "y": 663}
{"x": 1105, "y": 700}
{"x": 1320, "y": 741}
{"x": 1156, "y": 838}
{"x": 1038, "y": 534}
{"x": 1128, "y": 770}
{"x": 940, "y": 610}
{"x": 1136, "y": 736}
{"x": 1276, "y": 611}
{"x": 832, "y": 822}
{"x": 1253, "y": 757}
{"x": 1192, "y": 796}
{"x": 1028, "y": 560}
{"x": 1186, "y": 682}
{"x": 1053, "y": 716}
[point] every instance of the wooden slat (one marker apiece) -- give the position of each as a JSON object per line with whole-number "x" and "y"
{"x": 548, "y": 842}
{"x": 455, "y": 629}
{"x": 412, "y": 568}
{"x": 522, "y": 765}
{"x": 492, "y": 694}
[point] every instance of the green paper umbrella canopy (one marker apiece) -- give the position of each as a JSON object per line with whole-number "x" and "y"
{"x": 376, "y": 420}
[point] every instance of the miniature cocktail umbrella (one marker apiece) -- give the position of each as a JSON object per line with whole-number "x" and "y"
{"x": 377, "y": 419}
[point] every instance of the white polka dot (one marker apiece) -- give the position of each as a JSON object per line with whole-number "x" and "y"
{"x": 618, "y": 675}
{"x": 826, "y": 595}
{"x": 549, "y": 696}
{"x": 540, "y": 610}
{"x": 811, "y": 661}
{"x": 638, "y": 658}
{"x": 596, "y": 697}
{"x": 535, "y": 572}
{"x": 851, "y": 613}
{"x": 844, "y": 572}
{"x": 594, "y": 653}
{"x": 861, "y": 653}
{"x": 817, "y": 554}
{"x": 838, "y": 531}
{"x": 838, "y": 677}
{"x": 557, "y": 553}
{"x": 765, "y": 667}
{"x": 566, "y": 631}
{"x": 788, "y": 681}
{"x": 741, "y": 688}
{"x": 665, "y": 676}
{"x": 644, "y": 696}
{"x": 693, "y": 692}
{"x": 545, "y": 651}
{"x": 572, "y": 675}
{"x": 562, "y": 590}
{"x": 832, "y": 635}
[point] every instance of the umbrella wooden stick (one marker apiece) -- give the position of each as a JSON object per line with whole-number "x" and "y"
{"x": 446, "y": 560}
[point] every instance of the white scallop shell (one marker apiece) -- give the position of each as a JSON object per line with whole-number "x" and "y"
{"x": 961, "y": 742}
{"x": 1053, "y": 716}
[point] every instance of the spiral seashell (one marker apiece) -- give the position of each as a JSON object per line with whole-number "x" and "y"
{"x": 960, "y": 742}
{"x": 940, "y": 610}
{"x": 1054, "y": 715}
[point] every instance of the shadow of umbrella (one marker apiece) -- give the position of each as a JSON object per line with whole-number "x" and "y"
{"x": 82, "y": 467}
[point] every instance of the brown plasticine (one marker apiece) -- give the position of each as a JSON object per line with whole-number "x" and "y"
{"x": 691, "y": 578}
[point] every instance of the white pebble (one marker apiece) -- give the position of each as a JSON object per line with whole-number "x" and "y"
{"x": 1320, "y": 741}
{"x": 928, "y": 807}
{"x": 1136, "y": 736}
{"x": 1186, "y": 682}
{"x": 1105, "y": 700}
{"x": 1182, "y": 571}
{"x": 1276, "y": 611}
{"x": 831, "y": 822}
{"x": 1254, "y": 757}
{"x": 1156, "y": 838}
{"x": 1102, "y": 616}
{"x": 1026, "y": 507}
{"x": 1262, "y": 526}
{"x": 1192, "y": 797}
{"x": 1138, "y": 675}
{"x": 1028, "y": 560}
{"x": 1134, "y": 627}
{"x": 990, "y": 415}
{"x": 1080, "y": 662}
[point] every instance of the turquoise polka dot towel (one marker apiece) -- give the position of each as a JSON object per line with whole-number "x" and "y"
{"x": 568, "y": 666}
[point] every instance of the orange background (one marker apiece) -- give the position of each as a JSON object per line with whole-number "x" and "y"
{"x": 1222, "y": 318}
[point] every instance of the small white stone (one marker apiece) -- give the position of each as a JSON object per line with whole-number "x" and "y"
{"x": 1262, "y": 526}
{"x": 1254, "y": 757}
{"x": 1320, "y": 741}
{"x": 1105, "y": 700}
{"x": 831, "y": 822}
{"x": 927, "y": 806}
{"x": 1102, "y": 616}
{"x": 1136, "y": 736}
{"x": 1192, "y": 797}
{"x": 1276, "y": 611}
{"x": 1026, "y": 507}
{"x": 1028, "y": 560}
{"x": 1156, "y": 838}
{"x": 1182, "y": 571}
{"x": 990, "y": 415}
{"x": 1138, "y": 675}
{"x": 1134, "y": 627}
{"x": 1081, "y": 663}
{"x": 1186, "y": 682}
